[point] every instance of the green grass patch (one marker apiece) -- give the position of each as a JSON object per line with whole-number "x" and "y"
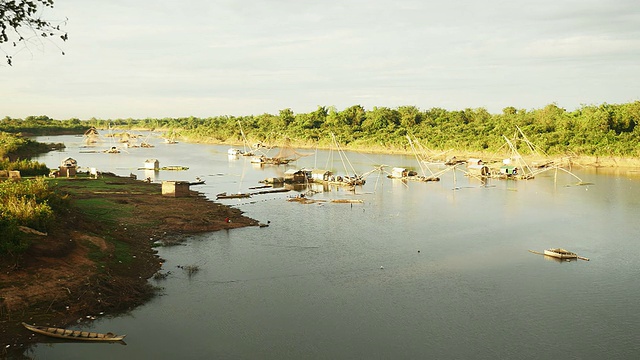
{"x": 104, "y": 210}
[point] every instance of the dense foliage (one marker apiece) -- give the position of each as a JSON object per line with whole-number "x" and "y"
{"x": 24, "y": 203}
{"x": 14, "y": 147}
{"x": 592, "y": 130}
{"x": 42, "y": 125}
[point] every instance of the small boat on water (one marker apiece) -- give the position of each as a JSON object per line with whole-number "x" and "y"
{"x": 224, "y": 195}
{"x": 560, "y": 253}
{"x": 73, "y": 334}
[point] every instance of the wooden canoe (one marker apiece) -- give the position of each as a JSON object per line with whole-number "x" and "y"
{"x": 73, "y": 334}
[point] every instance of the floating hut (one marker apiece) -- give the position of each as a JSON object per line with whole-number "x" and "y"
{"x": 477, "y": 167}
{"x": 321, "y": 175}
{"x": 293, "y": 176}
{"x": 152, "y": 164}
{"x": 509, "y": 170}
{"x": 399, "y": 173}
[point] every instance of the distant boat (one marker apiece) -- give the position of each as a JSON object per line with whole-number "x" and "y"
{"x": 224, "y": 195}
{"x": 560, "y": 253}
{"x": 73, "y": 334}
{"x": 234, "y": 152}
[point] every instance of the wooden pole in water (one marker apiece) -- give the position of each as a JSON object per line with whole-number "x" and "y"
{"x": 583, "y": 258}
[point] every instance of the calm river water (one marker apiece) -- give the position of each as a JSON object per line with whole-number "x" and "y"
{"x": 435, "y": 270}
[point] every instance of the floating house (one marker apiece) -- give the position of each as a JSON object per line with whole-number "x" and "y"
{"x": 509, "y": 170}
{"x": 321, "y": 175}
{"x": 399, "y": 173}
{"x": 477, "y": 167}
{"x": 152, "y": 164}
{"x": 293, "y": 176}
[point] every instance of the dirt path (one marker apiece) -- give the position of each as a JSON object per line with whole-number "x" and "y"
{"x": 100, "y": 256}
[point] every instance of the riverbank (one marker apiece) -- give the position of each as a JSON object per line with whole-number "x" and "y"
{"x": 98, "y": 259}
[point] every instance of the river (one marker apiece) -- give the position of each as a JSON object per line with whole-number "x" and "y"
{"x": 416, "y": 270}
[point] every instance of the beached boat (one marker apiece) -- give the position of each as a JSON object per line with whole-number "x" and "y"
{"x": 73, "y": 334}
{"x": 560, "y": 253}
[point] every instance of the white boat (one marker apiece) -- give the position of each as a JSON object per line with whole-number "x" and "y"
{"x": 234, "y": 152}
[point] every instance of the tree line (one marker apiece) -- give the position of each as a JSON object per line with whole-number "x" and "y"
{"x": 592, "y": 130}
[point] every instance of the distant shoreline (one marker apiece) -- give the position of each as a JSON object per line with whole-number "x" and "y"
{"x": 620, "y": 162}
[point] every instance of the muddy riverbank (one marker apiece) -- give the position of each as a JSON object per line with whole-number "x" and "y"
{"x": 98, "y": 259}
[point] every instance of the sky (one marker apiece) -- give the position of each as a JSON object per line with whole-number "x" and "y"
{"x": 205, "y": 58}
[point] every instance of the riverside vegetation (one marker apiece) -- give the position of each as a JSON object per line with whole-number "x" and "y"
{"x": 605, "y": 130}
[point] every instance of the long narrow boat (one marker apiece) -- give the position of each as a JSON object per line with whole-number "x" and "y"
{"x": 73, "y": 334}
{"x": 560, "y": 253}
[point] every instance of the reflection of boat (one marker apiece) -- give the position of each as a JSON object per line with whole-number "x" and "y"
{"x": 73, "y": 334}
{"x": 560, "y": 253}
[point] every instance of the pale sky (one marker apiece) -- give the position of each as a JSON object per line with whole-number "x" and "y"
{"x": 202, "y": 58}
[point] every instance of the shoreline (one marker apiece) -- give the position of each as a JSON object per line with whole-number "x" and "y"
{"x": 100, "y": 265}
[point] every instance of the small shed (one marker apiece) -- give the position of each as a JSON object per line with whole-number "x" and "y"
{"x": 320, "y": 175}
{"x": 175, "y": 188}
{"x": 508, "y": 170}
{"x": 152, "y": 164}
{"x": 14, "y": 174}
{"x": 474, "y": 161}
{"x": 293, "y": 176}
{"x": 68, "y": 167}
{"x": 398, "y": 173}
